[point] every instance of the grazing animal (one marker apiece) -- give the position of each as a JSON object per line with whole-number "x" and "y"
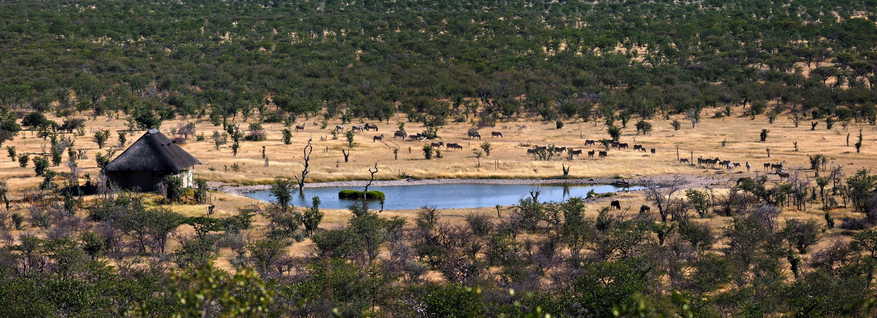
{"x": 400, "y": 134}
{"x": 590, "y": 142}
{"x": 645, "y": 209}
{"x": 474, "y": 134}
{"x": 559, "y": 149}
{"x": 683, "y": 160}
{"x": 495, "y": 134}
{"x": 576, "y": 152}
{"x": 371, "y": 127}
{"x": 653, "y": 150}
{"x": 591, "y": 153}
{"x": 766, "y": 166}
{"x": 531, "y": 152}
{"x": 615, "y": 204}
{"x": 741, "y": 180}
{"x": 602, "y": 154}
{"x": 437, "y": 144}
{"x": 299, "y": 127}
{"x": 778, "y": 166}
{"x": 339, "y": 127}
{"x": 783, "y": 174}
{"x": 622, "y": 146}
{"x": 358, "y": 128}
{"x": 637, "y": 147}
{"x": 748, "y": 167}
{"x": 452, "y": 145}
{"x": 378, "y": 138}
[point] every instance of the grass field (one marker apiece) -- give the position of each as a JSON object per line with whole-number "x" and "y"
{"x": 508, "y": 158}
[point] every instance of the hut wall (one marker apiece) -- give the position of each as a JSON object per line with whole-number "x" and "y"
{"x": 147, "y": 180}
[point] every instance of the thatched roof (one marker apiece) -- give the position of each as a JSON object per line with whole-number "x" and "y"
{"x": 153, "y": 152}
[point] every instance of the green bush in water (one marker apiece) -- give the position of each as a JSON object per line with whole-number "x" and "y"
{"x": 357, "y": 195}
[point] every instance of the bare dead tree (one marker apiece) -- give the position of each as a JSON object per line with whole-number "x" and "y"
{"x": 308, "y": 149}
{"x": 565, "y": 170}
{"x": 372, "y": 179}
{"x": 662, "y": 195}
{"x": 346, "y": 154}
{"x": 74, "y": 175}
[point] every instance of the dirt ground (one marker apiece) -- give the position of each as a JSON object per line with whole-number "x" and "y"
{"x": 734, "y": 138}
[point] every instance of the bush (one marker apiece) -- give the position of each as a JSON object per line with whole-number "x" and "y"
{"x": 40, "y": 165}
{"x": 428, "y": 151}
{"x": 763, "y": 135}
{"x": 357, "y": 195}
{"x": 174, "y": 188}
{"x": 855, "y": 224}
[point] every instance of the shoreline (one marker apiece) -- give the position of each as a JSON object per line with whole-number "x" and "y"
{"x": 688, "y": 181}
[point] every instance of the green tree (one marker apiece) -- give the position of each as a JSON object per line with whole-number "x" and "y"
{"x": 287, "y": 137}
{"x": 22, "y": 160}
{"x": 644, "y": 127}
{"x": 861, "y": 186}
{"x": 614, "y": 132}
{"x": 100, "y": 138}
{"x": 202, "y": 290}
{"x": 11, "y": 151}
{"x": 486, "y": 146}
{"x": 428, "y": 151}
{"x": 801, "y": 234}
{"x": 699, "y": 200}
{"x": 281, "y": 190}
{"x": 173, "y": 188}
{"x": 40, "y": 164}
{"x": 312, "y": 217}
{"x": 763, "y": 135}
{"x": 349, "y": 134}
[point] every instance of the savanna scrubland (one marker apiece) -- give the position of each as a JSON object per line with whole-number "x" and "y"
{"x": 786, "y": 83}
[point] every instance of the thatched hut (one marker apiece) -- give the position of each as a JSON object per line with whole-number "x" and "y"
{"x": 148, "y": 161}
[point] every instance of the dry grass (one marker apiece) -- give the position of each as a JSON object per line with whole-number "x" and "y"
{"x": 508, "y": 157}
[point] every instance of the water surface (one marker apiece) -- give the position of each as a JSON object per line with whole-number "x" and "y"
{"x": 444, "y": 196}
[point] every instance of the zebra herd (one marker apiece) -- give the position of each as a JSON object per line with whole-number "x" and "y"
{"x": 361, "y": 128}
{"x": 776, "y": 168}
{"x": 536, "y": 151}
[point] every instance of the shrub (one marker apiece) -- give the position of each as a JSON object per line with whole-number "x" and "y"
{"x": 22, "y": 160}
{"x": 614, "y": 132}
{"x": 40, "y": 164}
{"x": 174, "y": 188}
{"x": 287, "y": 137}
{"x": 763, "y": 134}
{"x": 428, "y": 151}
